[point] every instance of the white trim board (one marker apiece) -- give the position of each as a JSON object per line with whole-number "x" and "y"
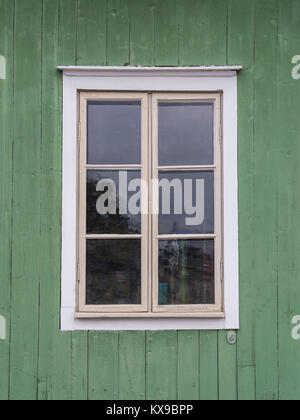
{"x": 191, "y": 79}
{"x": 85, "y": 71}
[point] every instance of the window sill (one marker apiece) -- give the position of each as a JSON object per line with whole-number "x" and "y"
{"x": 90, "y": 315}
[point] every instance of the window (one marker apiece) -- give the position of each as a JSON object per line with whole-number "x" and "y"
{"x": 183, "y": 227}
{"x": 150, "y": 215}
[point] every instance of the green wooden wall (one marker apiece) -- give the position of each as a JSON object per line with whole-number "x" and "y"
{"x": 38, "y": 361}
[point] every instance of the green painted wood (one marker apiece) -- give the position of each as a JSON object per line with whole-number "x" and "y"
{"x": 208, "y": 362}
{"x": 241, "y": 49}
{"x": 70, "y": 50}
{"x": 26, "y": 200}
{"x": 167, "y": 30}
{"x": 161, "y": 365}
{"x": 265, "y": 198}
{"x": 142, "y": 33}
{"x": 246, "y": 383}
{"x": 67, "y": 36}
{"x": 188, "y": 365}
{"x": 227, "y": 368}
{"x": 91, "y": 32}
{"x": 288, "y": 153}
{"x": 132, "y": 365}
{"x": 103, "y": 359}
{"x": 118, "y": 33}
{"x": 80, "y": 365}
{"x": 6, "y": 153}
{"x": 199, "y": 20}
{"x": 54, "y": 348}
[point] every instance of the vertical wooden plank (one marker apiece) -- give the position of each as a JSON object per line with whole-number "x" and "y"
{"x": 209, "y": 380}
{"x": 6, "y": 162}
{"x": 54, "y": 347}
{"x": 118, "y": 33}
{"x": 246, "y": 383}
{"x": 91, "y": 32}
{"x": 142, "y": 20}
{"x": 103, "y": 365}
{"x": 241, "y": 50}
{"x": 203, "y": 38}
{"x": 79, "y": 375}
{"x": 132, "y": 365}
{"x": 265, "y": 198}
{"x": 166, "y": 33}
{"x": 227, "y": 368}
{"x": 67, "y": 32}
{"x": 26, "y": 199}
{"x": 288, "y": 200}
{"x": 188, "y": 365}
{"x": 161, "y": 365}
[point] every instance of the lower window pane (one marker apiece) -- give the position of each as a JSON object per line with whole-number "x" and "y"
{"x": 113, "y": 272}
{"x": 186, "y": 272}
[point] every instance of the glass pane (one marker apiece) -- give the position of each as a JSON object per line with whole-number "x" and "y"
{"x": 186, "y": 202}
{"x": 114, "y": 133}
{"x": 186, "y": 272}
{"x": 185, "y": 133}
{"x": 113, "y": 272}
{"x": 108, "y": 201}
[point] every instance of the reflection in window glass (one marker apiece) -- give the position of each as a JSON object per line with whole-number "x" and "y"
{"x": 197, "y": 216}
{"x": 185, "y": 133}
{"x": 113, "y": 272}
{"x": 114, "y": 133}
{"x": 124, "y": 223}
{"x": 186, "y": 272}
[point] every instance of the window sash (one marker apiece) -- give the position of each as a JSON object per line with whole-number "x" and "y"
{"x": 149, "y": 237}
{"x": 217, "y": 236}
{"x": 84, "y": 97}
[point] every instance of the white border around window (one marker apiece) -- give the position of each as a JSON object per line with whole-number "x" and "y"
{"x": 195, "y": 79}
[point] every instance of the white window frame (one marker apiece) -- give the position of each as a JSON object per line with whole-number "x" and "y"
{"x": 159, "y": 80}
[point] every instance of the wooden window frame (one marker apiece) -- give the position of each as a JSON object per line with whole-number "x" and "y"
{"x": 149, "y": 236}
{"x": 212, "y": 80}
{"x": 84, "y": 97}
{"x": 200, "y": 310}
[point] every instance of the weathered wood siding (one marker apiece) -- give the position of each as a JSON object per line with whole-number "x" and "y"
{"x": 38, "y": 361}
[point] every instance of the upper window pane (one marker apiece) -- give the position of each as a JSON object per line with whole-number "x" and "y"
{"x": 185, "y": 133}
{"x": 114, "y": 132}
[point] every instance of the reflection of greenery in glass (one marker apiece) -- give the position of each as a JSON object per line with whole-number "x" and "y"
{"x": 186, "y": 272}
{"x": 110, "y": 223}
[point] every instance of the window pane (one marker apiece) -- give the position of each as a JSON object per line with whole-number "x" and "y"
{"x": 186, "y": 202}
{"x": 186, "y": 272}
{"x": 107, "y": 203}
{"x": 114, "y": 133}
{"x": 113, "y": 272}
{"x": 186, "y": 133}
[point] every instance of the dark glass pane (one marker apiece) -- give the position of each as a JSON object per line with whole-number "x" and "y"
{"x": 113, "y": 272}
{"x": 114, "y": 133}
{"x": 186, "y": 133}
{"x": 117, "y": 220}
{"x": 186, "y": 272}
{"x": 191, "y": 201}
